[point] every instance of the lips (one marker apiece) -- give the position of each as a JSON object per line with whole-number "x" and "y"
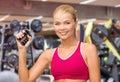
{"x": 63, "y": 33}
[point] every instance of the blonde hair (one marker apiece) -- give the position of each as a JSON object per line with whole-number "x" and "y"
{"x": 66, "y": 8}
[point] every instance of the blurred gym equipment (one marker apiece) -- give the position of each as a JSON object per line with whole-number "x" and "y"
{"x": 8, "y": 43}
{"x": 36, "y": 25}
{"x": 109, "y": 53}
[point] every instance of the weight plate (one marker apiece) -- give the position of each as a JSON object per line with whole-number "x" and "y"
{"x": 36, "y": 25}
{"x": 12, "y": 42}
{"x": 12, "y": 61}
{"x": 15, "y": 25}
{"x": 38, "y": 43}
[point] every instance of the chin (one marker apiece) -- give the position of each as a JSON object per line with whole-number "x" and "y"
{"x": 63, "y": 37}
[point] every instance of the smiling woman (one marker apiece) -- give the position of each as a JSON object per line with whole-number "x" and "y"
{"x": 71, "y": 61}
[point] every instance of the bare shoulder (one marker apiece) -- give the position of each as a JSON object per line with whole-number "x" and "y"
{"x": 89, "y": 49}
{"x": 48, "y": 53}
{"x": 88, "y": 46}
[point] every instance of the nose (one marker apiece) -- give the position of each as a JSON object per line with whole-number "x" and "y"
{"x": 62, "y": 26}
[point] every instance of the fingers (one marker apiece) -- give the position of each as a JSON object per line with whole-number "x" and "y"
{"x": 29, "y": 40}
{"x": 19, "y": 36}
{"x": 23, "y": 39}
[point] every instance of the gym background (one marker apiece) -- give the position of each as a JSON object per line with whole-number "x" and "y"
{"x": 96, "y": 19}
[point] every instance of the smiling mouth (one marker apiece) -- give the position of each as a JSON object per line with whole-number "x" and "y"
{"x": 63, "y": 33}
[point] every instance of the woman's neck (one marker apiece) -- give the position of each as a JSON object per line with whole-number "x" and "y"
{"x": 68, "y": 43}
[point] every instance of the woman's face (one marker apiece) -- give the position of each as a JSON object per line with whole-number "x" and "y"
{"x": 64, "y": 25}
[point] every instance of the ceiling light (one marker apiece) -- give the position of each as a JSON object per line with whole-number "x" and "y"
{"x": 87, "y": 1}
{"x": 43, "y": 0}
{"x": 117, "y": 5}
{"x": 3, "y": 18}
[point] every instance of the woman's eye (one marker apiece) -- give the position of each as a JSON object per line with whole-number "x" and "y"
{"x": 67, "y": 22}
{"x": 57, "y": 24}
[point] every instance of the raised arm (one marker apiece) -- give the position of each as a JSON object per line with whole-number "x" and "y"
{"x": 37, "y": 69}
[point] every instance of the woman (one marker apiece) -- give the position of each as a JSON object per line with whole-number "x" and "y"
{"x": 71, "y": 61}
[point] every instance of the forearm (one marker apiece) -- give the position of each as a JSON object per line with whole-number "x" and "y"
{"x": 22, "y": 68}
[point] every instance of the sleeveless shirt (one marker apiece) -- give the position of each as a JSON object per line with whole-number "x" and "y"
{"x": 72, "y": 67}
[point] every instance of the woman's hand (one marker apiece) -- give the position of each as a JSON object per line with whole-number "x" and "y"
{"x": 22, "y": 37}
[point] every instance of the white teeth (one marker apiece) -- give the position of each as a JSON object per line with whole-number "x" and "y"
{"x": 62, "y": 33}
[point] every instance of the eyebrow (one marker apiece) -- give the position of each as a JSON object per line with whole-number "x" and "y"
{"x": 66, "y": 20}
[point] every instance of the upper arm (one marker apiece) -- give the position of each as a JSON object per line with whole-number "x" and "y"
{"x": 39, "y": 66}
{"x": 93, "y": 63}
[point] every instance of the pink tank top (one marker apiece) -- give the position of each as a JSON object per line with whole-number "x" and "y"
{"x": 73, "y": 67}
